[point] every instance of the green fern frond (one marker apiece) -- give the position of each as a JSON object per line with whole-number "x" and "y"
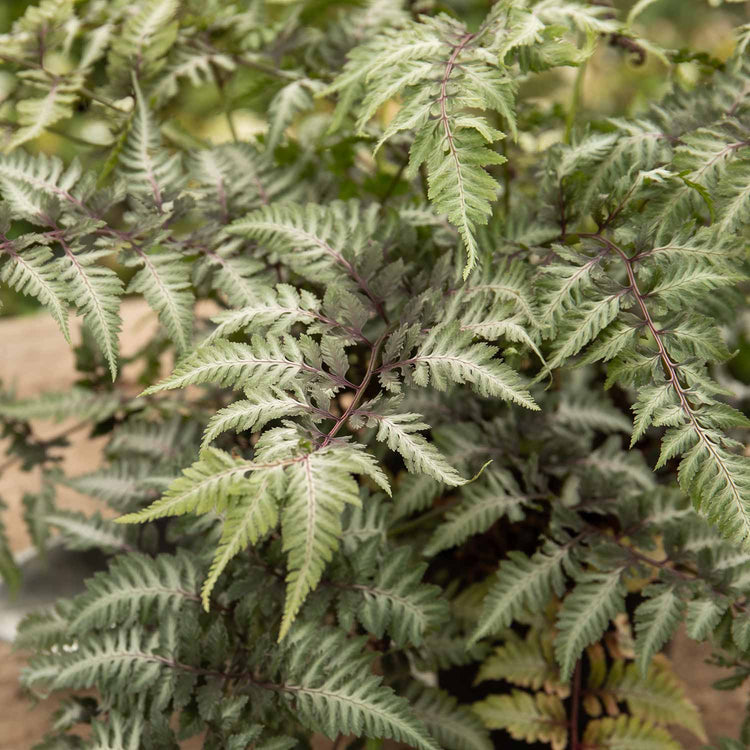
{"x": 250, "y": 516}
{"x": 95, "y": 291}
{"x": 401, "y": 432}
{"x": 585, "y": 614}
{"x": 447, "y": 355}
{"x": 492, "y": 497}
{"x": 270, "y": 361}
{"x": 164, "y": 282}
{"x": 78, "y": 402}
{"x": 286, "y": 104}
{"x": 320, "y": 485}
{"x": 398, "y": 602}
{"x": 149, "y": 168}
{"x": 655, "y": 697}
{"x": 532, "y": 718}
{"x": 273, "y": 310}
{"x": 203, "y": 487}
{"x": 31, "y": 272}
{"x": 452, "y": 725}
{"x": 627, "y": 733}
{"x": 526, "y": 663}
{"x": 254, "y": 412}
{"x": 55, "y": 101}
{"x": 136, "y": 586}
{"x": 334, "y": 691}
{"x": 82, "y": 532}
{"x": 522, "y": 583}
{"x": 144, "y": 39}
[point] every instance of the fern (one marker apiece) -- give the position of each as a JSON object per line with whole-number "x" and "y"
{"x": 369, "y": 234}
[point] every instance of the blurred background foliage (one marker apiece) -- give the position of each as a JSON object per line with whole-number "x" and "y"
{"x": 700, "y": 32}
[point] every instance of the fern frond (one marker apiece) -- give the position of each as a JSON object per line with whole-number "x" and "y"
{"x": 150, "y": 169}
{"x": 526, "y": 663}
{"x": 164, "y": 282}
{"x": 250, "y": 516}
{"x": 265, "y": 362}
{"x": 483, "y": 502}
{"x": 585, "y": 614}
{"x": 401, "y": 432}
{"x": 522, "y": 583}
{"x": 334, "y": 691}
{"x": 273, "y": 310}
{"x": 448, "y": 355}
{"x": 82, "y": 532}
{"x": 95, "y": 290}
{"x": 627, "y": 733}
{"x": 254, "y": 412}
{"x": 56, "y": 100}
{"x": 319, "y": 487}
{"x": 286, "y": 104}
{"x": 703, "y": 615}
{"x": 319, "y": 242}
{"x": 203, "y": 487}
{"x": 656, "y": 620}
{"x": 134, "y": 587}
{"x": 398, "y": 602}
{"x": 144, "y": 39}
{"x": 78, "y": 402}
{"x": 655, "y": 697}
{"x": 126, "y": 658}
{"x": 31, "y": 272}
{"x": 452, "y": 725}
{"x": 532, "y": 718}
{"x": 188, "y": 63}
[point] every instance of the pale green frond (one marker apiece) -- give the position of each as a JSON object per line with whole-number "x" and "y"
{"x": 150, "y": 169}
{"x": 31, "y": 272}
{"x": 78, "y": 402}
{"x": 656, "y": 620}
{"x": 81, "y": 532}
{"x": 585, "y": 614}
{"x": 398, "y": 602}
{"x": 703, "y": 615}
{"x": 521, "y": 662}
{"x": 265, "y": 362}
{"x": 581, "y": 325}
{"x": 335, "y": 691}
{"x": 319, "y": 487}
{"x": 627, "y": 733}
{"x": 275, "y": 310}
{"x": 288, "y": 103}
{"x": 493, "y": 496}
{"x": 531, "y": 718}
{"x": 145, "y": 37}
{"x": 204, "y": 486}
{"x": 136, "y": 584}
{"x": 454, "y": 726}
{"x": 448, "y": 355}
{"x": 196, "y": 66}
{"x": 656, "y": 697}
{"x": 164, "y": 281}
{"x": 55, "y": 102}
{"x": 254, "y": 412}
{"x": 315, "y": 241}
{"x": 522, "y": 583}
{"x": 251, "y": 514}
{"x": 95, "y": 290}
{"x": 401, "y": 432}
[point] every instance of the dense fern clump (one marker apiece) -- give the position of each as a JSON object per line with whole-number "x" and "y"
{"x": 458, "y": 395}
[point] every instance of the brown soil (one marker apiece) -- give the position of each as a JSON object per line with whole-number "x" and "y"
{"x": 34, "y": 357}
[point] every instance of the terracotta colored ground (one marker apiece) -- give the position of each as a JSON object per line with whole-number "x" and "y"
{"x": 34, "y": 357}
